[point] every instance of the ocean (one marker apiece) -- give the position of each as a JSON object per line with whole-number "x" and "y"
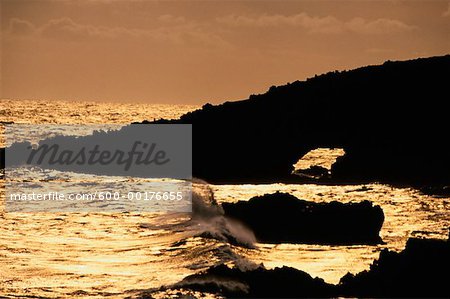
{"x": 94, "y": 255}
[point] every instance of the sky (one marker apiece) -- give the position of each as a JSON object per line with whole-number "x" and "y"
{"x": 193, "y": 52}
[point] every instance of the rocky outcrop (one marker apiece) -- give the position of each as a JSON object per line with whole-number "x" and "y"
{"x": 391, "y": 120}
{"x": 283, "y": 218}
{"x": 257, "y": 283}
{"x": 420, "y": 270}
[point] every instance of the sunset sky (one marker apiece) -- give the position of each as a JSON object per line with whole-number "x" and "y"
{"x": 202, "y": 51}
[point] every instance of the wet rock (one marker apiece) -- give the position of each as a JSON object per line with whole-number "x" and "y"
{"x": 420, "y": 270}
{"x": 257, "y": 283}
{"x": 283, "y": 218}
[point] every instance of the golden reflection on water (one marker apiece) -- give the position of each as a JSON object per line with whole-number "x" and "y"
{"x": 83, "y": 112}
{"x": 96, "y": 253}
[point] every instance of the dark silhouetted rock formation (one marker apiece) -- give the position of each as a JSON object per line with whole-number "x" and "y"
{"x": 391, "y": 120}
{"x": 282, "y": 218}
{"x": 257, "y": 283}
{"x": 421, "y": 270}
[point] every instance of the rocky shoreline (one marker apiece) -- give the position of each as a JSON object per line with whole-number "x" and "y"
{"x": 418, "y": 271}
{"x": 390, "y": 119}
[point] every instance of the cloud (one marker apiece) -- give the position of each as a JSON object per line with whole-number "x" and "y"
{"x": 21, "y": 27}
{"x": 174, "y": 30}
{"x": 66, "y": 28}
{"x": 314, "y": 24}
{"x": 379, "y": 26}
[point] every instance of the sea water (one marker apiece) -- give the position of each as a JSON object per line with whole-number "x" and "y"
{"x": 119, "y": 254}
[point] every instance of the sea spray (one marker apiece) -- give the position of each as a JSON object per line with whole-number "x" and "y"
{"x": 209, "y": 220}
